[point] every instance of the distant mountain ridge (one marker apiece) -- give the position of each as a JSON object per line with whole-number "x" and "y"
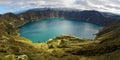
{"x": 93, "y": 16}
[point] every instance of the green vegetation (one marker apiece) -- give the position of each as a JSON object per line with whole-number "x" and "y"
{"x": 106, "y": 45}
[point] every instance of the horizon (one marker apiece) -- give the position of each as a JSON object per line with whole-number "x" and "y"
{"x": 14, "y": 6}
{"x": 62, "y": 9}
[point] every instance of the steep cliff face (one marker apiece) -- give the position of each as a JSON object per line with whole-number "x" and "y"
{"x": 91, "y": 16}
{"x": 37, "y": 14}
{"x": 106, "y": 45}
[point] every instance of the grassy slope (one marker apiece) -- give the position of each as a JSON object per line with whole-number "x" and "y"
{"x": 65, "y": 47}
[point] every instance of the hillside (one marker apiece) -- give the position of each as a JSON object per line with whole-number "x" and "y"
{"x": 86, "y": 15}
{"x": 65, "y": 47}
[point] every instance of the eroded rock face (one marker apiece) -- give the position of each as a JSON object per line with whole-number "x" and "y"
{"x": 35, "y": 14}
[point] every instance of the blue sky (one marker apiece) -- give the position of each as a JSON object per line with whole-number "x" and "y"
{"x": 100, "y": 5}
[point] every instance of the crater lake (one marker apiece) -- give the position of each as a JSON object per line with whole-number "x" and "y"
{"x": 43, "y": 30}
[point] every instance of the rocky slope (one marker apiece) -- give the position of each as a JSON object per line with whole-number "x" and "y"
{"x": 91, "y": 16}
{"x": 65, "y": 47}
{"x": 86, "y": 15}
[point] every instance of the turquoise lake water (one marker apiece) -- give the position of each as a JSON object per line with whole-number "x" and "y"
{"x": 45, "y": 29}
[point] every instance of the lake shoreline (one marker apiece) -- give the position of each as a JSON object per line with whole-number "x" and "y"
{"x": 61, "y": 19}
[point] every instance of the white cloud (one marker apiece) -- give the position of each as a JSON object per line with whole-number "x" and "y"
{"x": 100, "y": 5}
{"x": 5, "y": 2}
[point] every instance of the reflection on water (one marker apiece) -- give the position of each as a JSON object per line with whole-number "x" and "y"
{"x": 49, "y": 28}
